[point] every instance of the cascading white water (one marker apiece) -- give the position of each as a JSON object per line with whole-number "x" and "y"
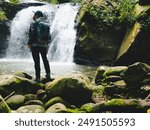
{"x": 61, "y": 19}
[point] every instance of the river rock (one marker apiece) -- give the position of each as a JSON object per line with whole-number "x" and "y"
{"x": 22, "y": 74}
{"x": 74, "y": 89}
{"x": 34, "y": 102}
{"x": 31, "y": 109}
{"x": 29, "y": 97}
{"x": 4, "y": 108}
{"x": 56, "y": 108}
{"x": 19, "y": 85}
{"x": 91, "y": 107}
{"x": 135, "y": 73}
{"x": 54, "y": 101}
{"x": 15, "y": 101}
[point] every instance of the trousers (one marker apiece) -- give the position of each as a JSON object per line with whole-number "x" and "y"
{"x": 36, "y": 52}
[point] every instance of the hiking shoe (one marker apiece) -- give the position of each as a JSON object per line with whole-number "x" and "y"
{"x": 37, "y": 80}
{"x": 47, "y": 76}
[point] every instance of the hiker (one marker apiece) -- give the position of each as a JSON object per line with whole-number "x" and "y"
{"x": 39, "y": 38}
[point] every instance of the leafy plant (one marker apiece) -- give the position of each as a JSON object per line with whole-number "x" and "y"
{"x": 14, "y": 1}
{"x": 2, "y": 15}
{"x": 126, "y": 13}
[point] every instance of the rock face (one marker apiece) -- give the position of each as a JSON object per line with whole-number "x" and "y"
{"x": 4, "y": 25}
{"x": 74, "y": 89}
{"x": 144, "y": 2}
{"x": 96, "y": 44}
{"x": 135, "y": 46}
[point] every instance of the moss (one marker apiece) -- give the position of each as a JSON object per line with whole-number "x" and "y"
{"x": 148, "y": 111}
{"x": 115, "y": 102}
{"x": 2, "y": 15}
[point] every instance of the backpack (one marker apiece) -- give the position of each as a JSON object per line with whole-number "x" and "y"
{"x": 43, "y": 32}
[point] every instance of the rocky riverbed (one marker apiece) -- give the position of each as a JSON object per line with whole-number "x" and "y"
{"x": 112, "y": 89}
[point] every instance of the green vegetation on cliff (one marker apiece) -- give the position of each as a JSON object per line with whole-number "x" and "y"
{"x": 2, "y": 15}
{"x": 110, "y": 14}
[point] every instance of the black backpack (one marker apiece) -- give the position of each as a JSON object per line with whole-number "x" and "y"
{"x": 43, "y": 32}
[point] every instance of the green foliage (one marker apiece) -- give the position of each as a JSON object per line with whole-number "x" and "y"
{"x": 14, "y": 1}
{"x": 2, "y": 15}
{"x": 112, "y": 14}
{"x": 126, "y": 11}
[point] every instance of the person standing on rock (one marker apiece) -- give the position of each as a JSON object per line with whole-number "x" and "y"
{"x": 39, "y": 38}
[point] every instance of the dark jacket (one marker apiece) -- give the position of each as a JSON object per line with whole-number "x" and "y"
{"x": 33, "y": 34}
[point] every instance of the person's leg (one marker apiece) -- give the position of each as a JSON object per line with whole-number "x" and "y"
{"x": 45, "y": 61}
{"x": 36, "y": 58}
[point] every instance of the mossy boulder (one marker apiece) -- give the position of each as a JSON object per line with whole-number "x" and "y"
{"x": 91, "y": 107}
{"x": 19, "y": 85}
{"x": 105, "y": 73}
{"x": 135, "y": 73}
{"x": 15, "y": 101}
{"x": 31, "y": 109}
{"x": 54, "y": 101}
{"x": 75, "y": 89}
{"x": 4, "y": 108}
{"x": 56, "y": 108}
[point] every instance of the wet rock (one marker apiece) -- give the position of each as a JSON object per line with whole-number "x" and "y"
{"x": 31, "y": 109}
{"x": 54, "y": 101}
{"x": 100, "y": 74}
{"x": 74, "y": 89}
{"x": 19, "y": 85}
{"x": 135, "y": 73}
{"x": 56, "y": 108}
{"x": 144, "y": 2}
{"x": 113, "y": 78}
{"x": 29, "y": 97}
{"x": 145, "y": 91}
{"x": 127, "y": 105}
{"x": 22, "y": 74}
{"x": 91, "y": 107}
{"x": 15, "y": 101}
{"x": 115, "y": 91}
{"x": 34, "y": 102}
{"x": 4, "y": 108}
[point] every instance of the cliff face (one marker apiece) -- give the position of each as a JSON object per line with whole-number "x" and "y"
{"x": 112, "y": 32}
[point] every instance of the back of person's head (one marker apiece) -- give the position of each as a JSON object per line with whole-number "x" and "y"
{"x": 38, "y": 13}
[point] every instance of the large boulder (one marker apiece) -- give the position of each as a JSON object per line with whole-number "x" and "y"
{"x": 135, "y": 45}
{"x": 136, "y": 73}
{"x": 75, "y": 89}
{"x": 8, "y": 84}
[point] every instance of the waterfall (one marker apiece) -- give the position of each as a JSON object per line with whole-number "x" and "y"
{"x": 61, "y": 20}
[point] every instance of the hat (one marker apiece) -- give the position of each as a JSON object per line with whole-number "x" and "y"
{"x": 38, "y": 13}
